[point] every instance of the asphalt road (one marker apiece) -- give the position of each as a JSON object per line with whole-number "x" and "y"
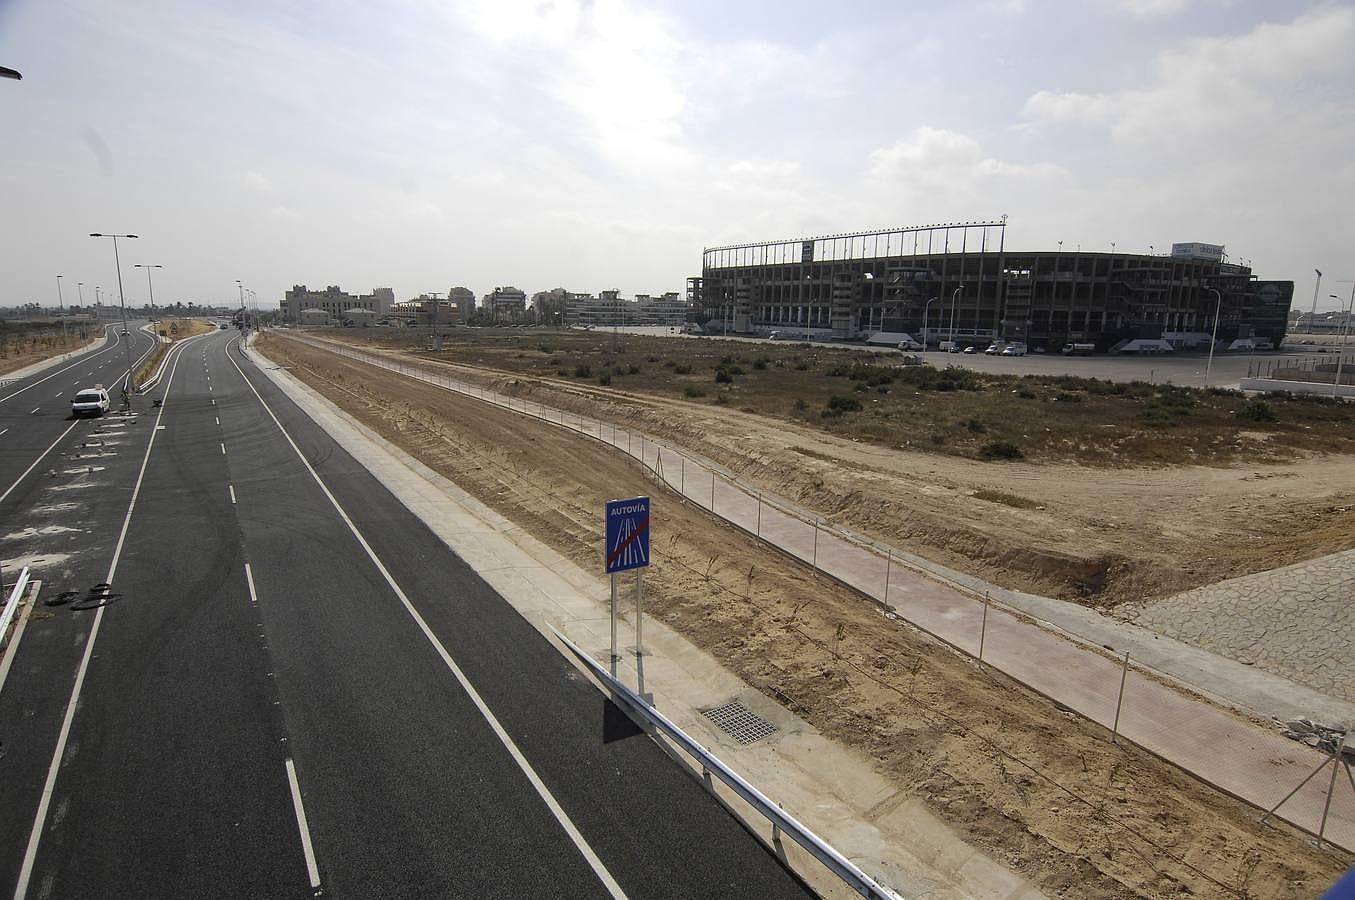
{"x": 285, "y": 636}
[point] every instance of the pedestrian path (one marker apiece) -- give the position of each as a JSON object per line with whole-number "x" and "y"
{"x": 1254, "y": 764}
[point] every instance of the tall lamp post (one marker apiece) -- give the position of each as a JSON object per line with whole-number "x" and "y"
{"x": 1316, "y": 287}
{"x": 127, "y": 344}
{"x": 149, "y": 288}
{"x": 244, "y": 320}
{"x": 926, "y": 312}
{"x": 1213, "y": 335}
{"x": 60, "y": 305}
{"x": 1345, "y": 332}
{"x": 954, "y": 299}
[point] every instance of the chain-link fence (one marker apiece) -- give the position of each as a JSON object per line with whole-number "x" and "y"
{"x": 1302, "y": 775}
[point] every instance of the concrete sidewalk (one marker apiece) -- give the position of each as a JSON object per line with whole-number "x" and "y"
{"x": 835, "y": 791}
{"x": 1255, "y": 764}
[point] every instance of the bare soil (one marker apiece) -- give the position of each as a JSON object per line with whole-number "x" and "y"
{"x": 1036, "y": 787}
{"x": 22, "y": 345}
{"x": 1095, "y": 534}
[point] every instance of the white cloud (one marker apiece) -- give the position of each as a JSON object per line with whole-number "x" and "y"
{"x": 934, "y": 156}
{"x": 1212, "y": 84}
{"x": 1153, "y": 8}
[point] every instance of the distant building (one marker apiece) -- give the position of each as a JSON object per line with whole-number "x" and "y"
{"x": 334, "y": 301}
{"x": 667, "y": 309}
{"x": 464, "y": 300}
{"x": 506, "y": 305}
{"x": 427, "y": 309}
{"x": 961, "y": 282}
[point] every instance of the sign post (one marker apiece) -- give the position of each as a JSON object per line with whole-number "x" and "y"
{"x": 627, "y": 526}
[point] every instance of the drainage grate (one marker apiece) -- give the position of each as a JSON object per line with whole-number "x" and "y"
{"x": 739, "y": 722}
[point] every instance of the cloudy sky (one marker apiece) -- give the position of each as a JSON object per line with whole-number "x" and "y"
{"x": 602, "y": 144}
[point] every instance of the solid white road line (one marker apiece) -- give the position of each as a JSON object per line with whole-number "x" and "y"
{"x": 301, "y": 825}
{"x": 232, "y": 490}
{"x": 59, "y": 393}
{"x": 3, "y": 430}
{"x": 542, "y": 791}
{"x": 34, "y": 409}
{"x": 249, "y": 579}
{"x": 223, "y": 449}
{"x": 36, "y": 461}
{"x": 218, "y": 420}
{"x": 34, "y": 837}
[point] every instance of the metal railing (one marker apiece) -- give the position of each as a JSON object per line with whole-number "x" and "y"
{"x": 781, "y": 821}
{"x": 12, "y": 604}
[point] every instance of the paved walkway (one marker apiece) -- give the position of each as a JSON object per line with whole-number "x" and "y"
{"x": 1254, "y": 764}
{"x": 1298, "y": 621}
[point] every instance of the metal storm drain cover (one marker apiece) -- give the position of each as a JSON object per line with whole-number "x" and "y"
{"x": 739, "y": 722}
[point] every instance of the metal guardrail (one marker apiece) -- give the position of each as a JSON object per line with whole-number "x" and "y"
{"x": 12, "y": 604}
{"x": 781, "y": 821}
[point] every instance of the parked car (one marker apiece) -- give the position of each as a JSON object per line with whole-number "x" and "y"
{"x": 1015, "y": 348}
{"x": 993, "y": 349}
{"x": 970, "y": 349}
{"x": 90, "y": 402}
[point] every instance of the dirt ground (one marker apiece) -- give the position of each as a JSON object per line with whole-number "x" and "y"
{"x": 1034, "y": 786}
{"x": 21, "y": 346}
{"x": 1096, "y": 535}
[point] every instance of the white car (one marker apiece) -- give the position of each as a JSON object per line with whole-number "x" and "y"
{"x": 90, "y": 402}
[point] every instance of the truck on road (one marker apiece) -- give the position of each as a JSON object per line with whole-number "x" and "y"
{"x": 1079, "y": 349}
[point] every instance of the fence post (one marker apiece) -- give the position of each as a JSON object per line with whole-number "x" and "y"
{"x": 983, "y": 628}
{"x": 1119, "y": 701}
{"x": 1338, "y": 760}
{"x": 889, "y": 565}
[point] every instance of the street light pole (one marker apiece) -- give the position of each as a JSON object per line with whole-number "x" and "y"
{"x": 149, "y": 288}
{"x": 122, "y": 303}
{"x": 926, "y": 312}
{"x": 1316, "y": 287}
{"x": 1345, "y": 332}
{"x": 1213, "y": 335}
{"x": 954, "y": 299}
{"x": 244, "y": 319}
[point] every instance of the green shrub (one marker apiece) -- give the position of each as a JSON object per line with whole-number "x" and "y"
{"x": 975, "y": 426}
{"x": 693, "y": 391}
{"x": 722, "y": 399}
{"x": 605, "y": 379}
{"x": 582, "y": 371}
{"x": 844, "y": 404}
{"x": 681, "y": 369}
{"x": 1026, "y": 394}
{"x": 1001, "y": 450}
{"x": 1257, "y": 411}
{"x": 633, "y": 370}
{"x": 722, "y": 376}
{"x": 760, "y": 363}
{"x": 800, "y": 403}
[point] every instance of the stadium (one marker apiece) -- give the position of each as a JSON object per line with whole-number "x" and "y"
{"x": 959, "y": 282}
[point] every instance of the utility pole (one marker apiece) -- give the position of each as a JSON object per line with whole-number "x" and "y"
{"x": 1316, "y": 287}
{"x": 122, "y": 302}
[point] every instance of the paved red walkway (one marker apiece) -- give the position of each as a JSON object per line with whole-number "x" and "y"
{"x": 1255, "y": 764}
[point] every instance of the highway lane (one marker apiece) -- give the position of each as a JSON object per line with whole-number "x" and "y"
{"x": 194, "y": 728}
{"x": 177, "y": 770}
{"x": 64, "y": 520}
{"x": 35, "y": 412}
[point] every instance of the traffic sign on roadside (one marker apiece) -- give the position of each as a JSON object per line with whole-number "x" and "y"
{"x": 627, "y": 534}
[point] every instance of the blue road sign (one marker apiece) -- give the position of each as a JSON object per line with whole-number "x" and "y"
{"x": 627, "y": 534}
